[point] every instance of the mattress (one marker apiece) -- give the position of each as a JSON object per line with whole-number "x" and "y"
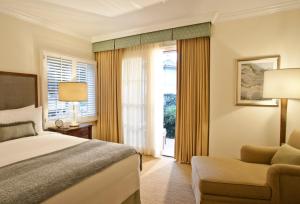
{"x": 112, "y": 185}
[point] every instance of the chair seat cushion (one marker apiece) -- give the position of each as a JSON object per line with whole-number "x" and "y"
{"x": 230, "y": 177}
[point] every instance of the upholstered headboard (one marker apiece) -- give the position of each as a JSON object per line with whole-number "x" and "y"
{"x": 17, "y": 90}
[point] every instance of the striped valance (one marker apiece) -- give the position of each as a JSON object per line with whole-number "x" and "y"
{"x": 179, "y": 33}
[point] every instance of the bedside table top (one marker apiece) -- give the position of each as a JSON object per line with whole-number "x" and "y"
{"x": 71, "y": 128}
{"x": 83, "y": 131}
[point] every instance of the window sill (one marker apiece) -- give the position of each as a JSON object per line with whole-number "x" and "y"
{"x": 87, "y": 119}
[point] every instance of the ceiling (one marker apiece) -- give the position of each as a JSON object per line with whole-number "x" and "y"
{"x": 97, "y": 20}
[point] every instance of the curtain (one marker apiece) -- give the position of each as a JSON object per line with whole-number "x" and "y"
{"x": 192, "y": 114}
{"x": 142, "y": 98}
{"x": 109, "y": 124}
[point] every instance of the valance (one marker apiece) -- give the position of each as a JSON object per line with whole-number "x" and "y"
{"x": 179, "y": 33}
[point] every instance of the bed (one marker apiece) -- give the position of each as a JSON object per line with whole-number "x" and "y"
{"x": 117, "y": 182}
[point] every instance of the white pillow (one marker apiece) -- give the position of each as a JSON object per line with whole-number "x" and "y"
{"x": 29, "y": 113}
{"x": 9, "y": 116}
{"x": 37, "y": 117}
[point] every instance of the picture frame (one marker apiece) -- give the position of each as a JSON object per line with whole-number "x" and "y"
{"x": 250, "y": 76}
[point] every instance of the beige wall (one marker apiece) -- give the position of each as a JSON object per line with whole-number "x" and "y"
{"x": 232, "y": 126}
{"x": 22, "y": 44}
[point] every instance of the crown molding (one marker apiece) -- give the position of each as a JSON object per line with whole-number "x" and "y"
{"x": 213, "y": 17}
{"x": 259, "y": 11}
{"x": 203, "y": 18}
{"x": 42, "y": 23}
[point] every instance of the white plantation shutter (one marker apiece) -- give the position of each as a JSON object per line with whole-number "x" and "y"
{"x": 87, "y": 73}
{"x": 59, "y": 69}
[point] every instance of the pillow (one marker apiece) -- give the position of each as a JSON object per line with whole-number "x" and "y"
{"x": 287, "y": 155}
{"x": 37, "y": 118}
{"x": 17, "y": 130}
{"x": 29, "y": 113}
{"x": 2, "y": 112}
{"x": 9, "y": 116}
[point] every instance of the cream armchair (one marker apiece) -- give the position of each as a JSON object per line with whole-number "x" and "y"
{"x": 251, "y": 180}
{"x": 285, "y": 183}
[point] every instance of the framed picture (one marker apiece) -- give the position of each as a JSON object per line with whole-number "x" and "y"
{"x": 250, "y": 80}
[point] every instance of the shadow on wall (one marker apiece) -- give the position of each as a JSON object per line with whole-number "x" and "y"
{"x": 232, "y": 126}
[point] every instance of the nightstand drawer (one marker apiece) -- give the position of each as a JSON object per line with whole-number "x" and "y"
{"x": 83, "y": 132}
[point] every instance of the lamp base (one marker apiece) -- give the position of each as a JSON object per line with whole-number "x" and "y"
{"x": 74, "y": 123}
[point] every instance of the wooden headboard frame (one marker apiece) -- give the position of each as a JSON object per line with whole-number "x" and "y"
{"x": 18, "y": 90}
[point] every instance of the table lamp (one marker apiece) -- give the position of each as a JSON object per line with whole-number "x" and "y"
{"x": 72, "y": 92}
{"x": 282, "y": 84}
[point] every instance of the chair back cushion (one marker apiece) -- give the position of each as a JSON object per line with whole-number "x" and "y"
{"x": 294, "y": 139}
{"x": 287, "y": 155}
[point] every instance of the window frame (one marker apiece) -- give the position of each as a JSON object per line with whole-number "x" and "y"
{"x": 44, "y": 90}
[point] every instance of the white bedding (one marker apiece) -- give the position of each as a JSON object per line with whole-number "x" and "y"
{"x": 112, "y": 185}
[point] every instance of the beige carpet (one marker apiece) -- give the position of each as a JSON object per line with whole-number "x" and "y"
{"x": 165, "y": 181}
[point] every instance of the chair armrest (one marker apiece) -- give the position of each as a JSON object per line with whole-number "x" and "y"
{"x": 284, "y": 181}
{"x": 257, "y": 154}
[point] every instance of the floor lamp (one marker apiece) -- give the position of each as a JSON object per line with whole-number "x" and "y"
{"x": 282, "y": 84}
{"x": 72, "y": 92}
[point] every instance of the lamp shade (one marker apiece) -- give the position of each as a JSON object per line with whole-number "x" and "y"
{"x": 72, "y": 91}
{"x": 282, "y": 83}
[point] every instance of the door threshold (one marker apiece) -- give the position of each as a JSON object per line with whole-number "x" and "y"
{"x": 168, "y": 156}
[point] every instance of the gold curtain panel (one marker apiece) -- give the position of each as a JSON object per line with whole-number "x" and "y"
{"x": 109, "y": 64}
{"x": 192, "y": 116}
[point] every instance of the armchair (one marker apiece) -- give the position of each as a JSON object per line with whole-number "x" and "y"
{"x": 250, "y": 180}
{"x": 284, "y": 181}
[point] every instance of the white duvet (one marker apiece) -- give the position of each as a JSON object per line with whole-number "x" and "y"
{"x": 27, "y": 147}
{"x": 112, "y": 185}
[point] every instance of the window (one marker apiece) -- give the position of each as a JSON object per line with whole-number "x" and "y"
{"x": 59, "y": 69}
{"x": 86, "y": 73}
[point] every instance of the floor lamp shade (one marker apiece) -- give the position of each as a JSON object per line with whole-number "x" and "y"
{"x": 72, "y": 91}
{"x": 282, "y": 84}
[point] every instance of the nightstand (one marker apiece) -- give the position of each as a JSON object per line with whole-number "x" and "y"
{"x": 83, "y": 131}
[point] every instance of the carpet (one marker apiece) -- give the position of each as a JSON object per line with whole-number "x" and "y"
{"x": 165, "y": 181}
